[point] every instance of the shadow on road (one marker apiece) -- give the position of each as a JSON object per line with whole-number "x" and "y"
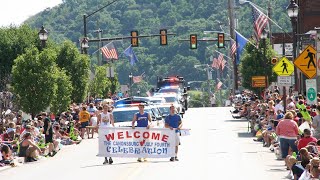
{"x": 236, "y": 120}
{"x": 244, "y": 135}
{"x": 126, "y": 163}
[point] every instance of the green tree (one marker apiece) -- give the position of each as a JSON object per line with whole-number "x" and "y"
{"x": 100, "y": 82}
{"x": 253, "y": 64}
{"x": 33, "y": 80}
{"x": 13, "y": 42}
{"x": 77, "y": 67}
{"x": 62, "y": 96}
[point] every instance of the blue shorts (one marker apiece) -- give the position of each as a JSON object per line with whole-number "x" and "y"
{"x": 84, "y": 124}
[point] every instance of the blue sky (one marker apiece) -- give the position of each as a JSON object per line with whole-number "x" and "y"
{"x": 16, "y": 11}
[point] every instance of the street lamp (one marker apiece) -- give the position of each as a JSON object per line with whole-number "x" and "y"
{"x": 293, "y": 10}
{"x": 84, "y": 45}
{"x": 43, "y": 36}
{"x": 130, "y": 83}
{"x": 264, "y": 36}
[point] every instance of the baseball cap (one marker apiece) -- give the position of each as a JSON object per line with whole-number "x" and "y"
{"x": 280, "y": 116}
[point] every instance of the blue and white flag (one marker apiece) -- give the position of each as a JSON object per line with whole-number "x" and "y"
{"x": 131, "y": 56}
{"x": 241, "y": 43}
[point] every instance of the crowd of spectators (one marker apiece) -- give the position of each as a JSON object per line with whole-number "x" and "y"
{"x": 291, "y": 130}
{"x": 46, "y": 133}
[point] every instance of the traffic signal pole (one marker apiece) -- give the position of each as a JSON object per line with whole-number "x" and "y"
{"x": 129, "y": 37}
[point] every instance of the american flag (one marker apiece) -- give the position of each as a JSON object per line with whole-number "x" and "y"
{"x": 136, "y": 79}
{"x": 260, "y": 21}
{"x": 109, "y": 51}
{"x": 148, "y": 93}
{"x": 219, "y": 85}
{"x": 215, "y": 63}
{"x": 220, "y": 59}
{"x": 223, "y": 64}
{"x": 233, "y": 47}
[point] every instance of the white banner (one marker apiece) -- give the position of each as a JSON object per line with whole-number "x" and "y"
{"x": 138, "y": 142}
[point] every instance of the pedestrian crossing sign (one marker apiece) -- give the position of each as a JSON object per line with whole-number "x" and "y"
{"x": 284, "y": 67}
{"x": 306, "y": 62}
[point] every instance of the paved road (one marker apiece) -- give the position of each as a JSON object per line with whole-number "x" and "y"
{"x": 218, "y": 148}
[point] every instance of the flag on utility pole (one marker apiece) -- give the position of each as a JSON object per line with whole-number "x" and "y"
{"x": 218, "y": 87}
{"x": 241, "y": 43}
{"x": 260, "y": 21}
{"x": 131, "y": 55}
{"x": 220, "y": 60}
{"x": 215, "y": 63}
{"x": 233, "y": 47}
{"x": 109, "y": 51}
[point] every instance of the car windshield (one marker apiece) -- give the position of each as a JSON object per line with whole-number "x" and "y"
{"x": 157, "y": 101}
{"x": 170, "y": 99}
{"x": 156, "y": 112}
{"x": 165, "y": 110}
{"x": 169, "y": 91}
{"x": 125, "y": 116}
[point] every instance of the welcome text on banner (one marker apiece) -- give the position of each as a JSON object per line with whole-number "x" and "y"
{"x": 138, "y": 142}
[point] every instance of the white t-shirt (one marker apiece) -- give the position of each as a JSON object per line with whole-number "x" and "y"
{"x": 278, "y": 107}
{"x": 105, "y": 119}
{"x": 94, "y": 120}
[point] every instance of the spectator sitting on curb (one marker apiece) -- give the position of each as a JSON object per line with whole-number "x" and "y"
{"x": 306, "y": 139}
{"x": 28, "y": 148}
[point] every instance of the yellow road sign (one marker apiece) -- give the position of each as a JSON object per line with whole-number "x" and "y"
{"x": 306, "y": 62}
{"x": 284, "y": 67}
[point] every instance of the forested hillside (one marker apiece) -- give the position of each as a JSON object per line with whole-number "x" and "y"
{"x": 182, "y": 17}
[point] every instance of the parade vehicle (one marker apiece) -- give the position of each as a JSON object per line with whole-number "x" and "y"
{"x": 131, "y": 100}
{"x": 172, "y": 99}
{"x": 157, "y": 100}
{"x": 123, "y": 115}
{"x": 174, "y": 85}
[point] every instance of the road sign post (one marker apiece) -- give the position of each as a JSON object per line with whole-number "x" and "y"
{"x": 311, "y": 88}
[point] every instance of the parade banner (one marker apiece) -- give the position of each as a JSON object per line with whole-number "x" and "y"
{"x": 138, "y": 142}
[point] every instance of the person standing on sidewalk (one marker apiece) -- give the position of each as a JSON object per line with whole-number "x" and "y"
{"x": 105, "y": 119}
{"x": 143, "y": 120}
{"x": 288, "y": 131}
{"x": 172, "y": 121}
{"x": 84, "y": 117}
{"x": 213, "y": 100}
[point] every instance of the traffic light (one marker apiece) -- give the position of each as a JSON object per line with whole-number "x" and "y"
{"x": 163, "y": 37}
{"x": 220, "y": 40}
{"x": 193, "y": 41}
{"x": 134, "y": 39}
{"x": 274, "y": 61}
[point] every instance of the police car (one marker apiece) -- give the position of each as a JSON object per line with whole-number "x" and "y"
{"x": 123, "y": 115}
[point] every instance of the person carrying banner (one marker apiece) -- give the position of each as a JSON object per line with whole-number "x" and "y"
{"x": 172, "y": 121}
{"x": 143, "y": 120}
{"x": 105, "y": 119}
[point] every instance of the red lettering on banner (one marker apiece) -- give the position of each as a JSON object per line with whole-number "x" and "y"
{"x": 135, "y": 134}
{"x": 110, "y": 136}
{"x": 164, "y": 138}
{"x": 120, "y": 135}
{"x": 127, "y": 135}
{"x": 155, "y": 136}
{"x": 146, "y": 135}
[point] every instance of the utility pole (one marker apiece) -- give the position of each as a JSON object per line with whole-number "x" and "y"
{"x": 269, "y": 15}
{"x": 232, "y": 34}
{"x": 99, "y": 31}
